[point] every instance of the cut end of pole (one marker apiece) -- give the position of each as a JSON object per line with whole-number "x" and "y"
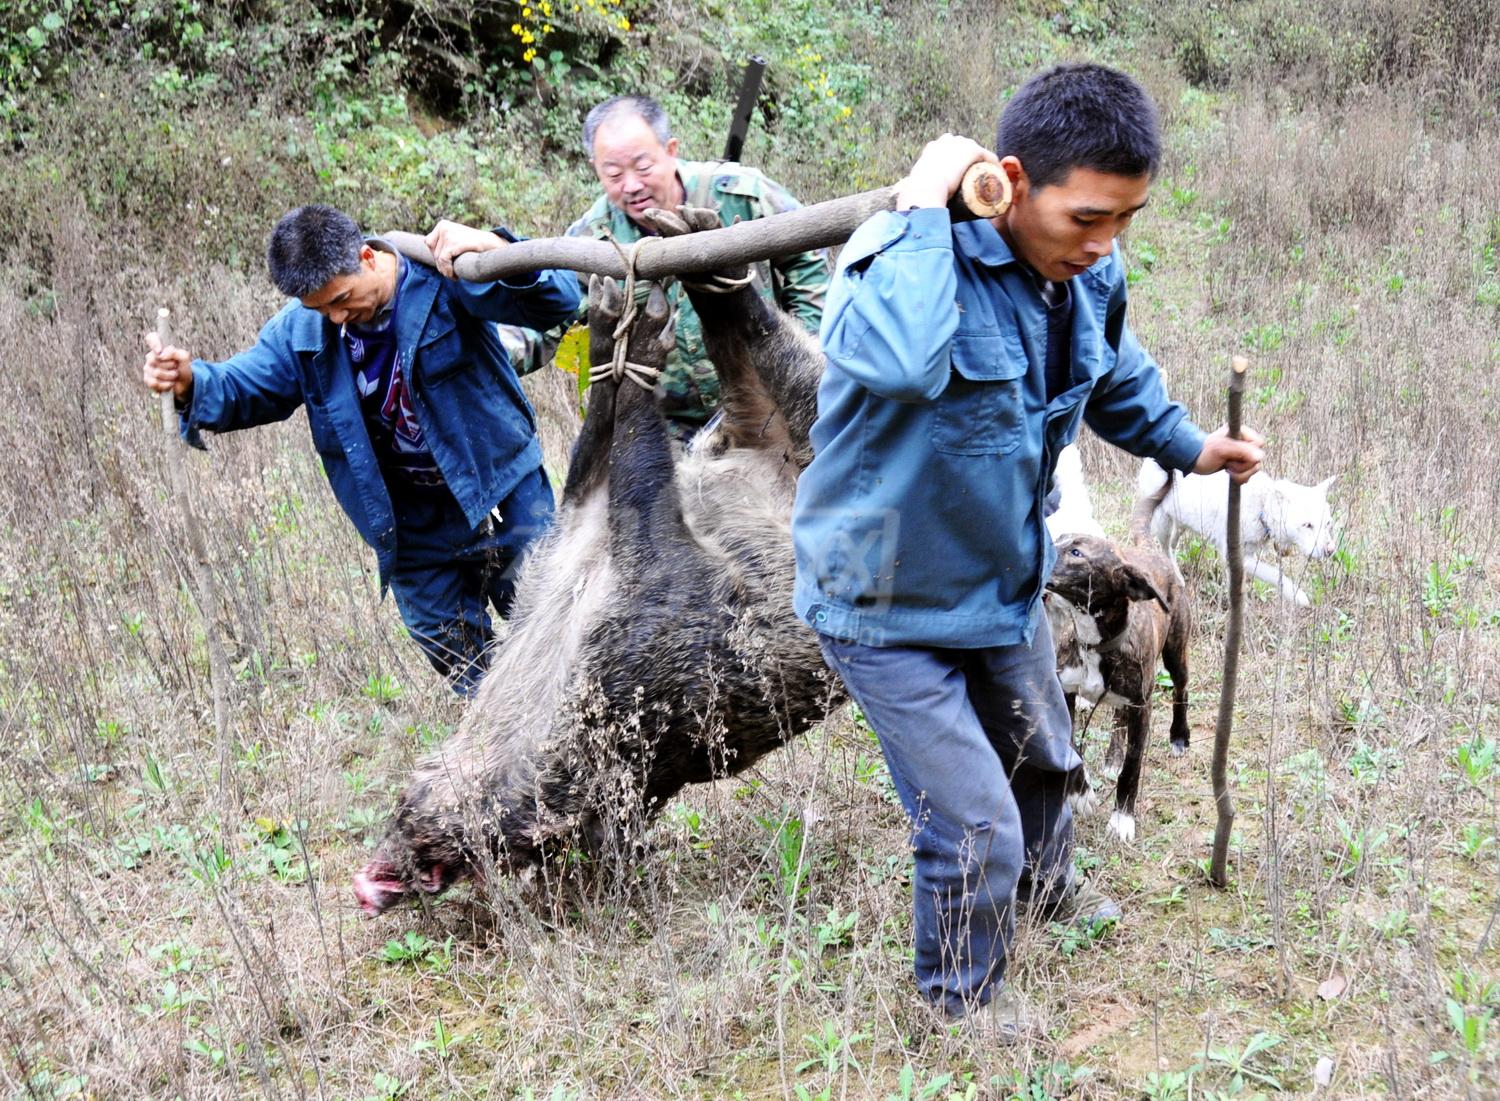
{"x": 986, "y": 190}
{"x": 163, "y": 313}
{"x": 1239, "y": 364}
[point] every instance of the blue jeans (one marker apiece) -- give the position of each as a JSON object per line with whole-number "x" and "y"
{"x": 448, "y": 572}
{"x": 979, "y": 746}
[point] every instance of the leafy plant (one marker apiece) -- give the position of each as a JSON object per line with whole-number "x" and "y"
{"x": 382, "y": 688}
{"x": 1167, "y": 1085}
{"x": 908, "y": 1090}
{"x": 1073, "y": 936}
{"x": 387, "y": 1088}
{"x": 1477, "y": 758}
{"x": 1471, "y": 1025}
{"x": 1473, "y": 839}
{"x": 443, "y": 1041}
{"x": 419, "y": 951}
{"x": 788, "y": 839}
{"x": 1240, "y": 1061}
{"x": 831, "y": 1049}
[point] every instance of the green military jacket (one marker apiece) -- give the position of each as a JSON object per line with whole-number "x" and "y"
{"x": 688, "y": 388}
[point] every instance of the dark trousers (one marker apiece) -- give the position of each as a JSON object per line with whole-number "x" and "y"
{"x": 979, "y": 746}
{"x": 449, "y": 573}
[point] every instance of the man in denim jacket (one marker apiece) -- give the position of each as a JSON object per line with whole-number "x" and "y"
{"x": 426, "y": 438}
{"x": 961, "y": 359}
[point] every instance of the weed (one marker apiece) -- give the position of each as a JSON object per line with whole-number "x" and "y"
{"x": 908, "y": 1090}
{"x": 387, "y": 1088}
{"x": 1167, "y": 1085}
{"x": 831, "y": 1049}
{"x": 419, "y": 951}
{"x": 443, "y": 1041}
{"x": 1241, "y": 1062}
{"x": 382, "y": 688}
{"x": 1074, "y": 936}
{"x": 1471, "y": 1025}
{"x": 1474, "y": 839}
{"x": 788, "y": 840}
{"x": 1048, "y": 1082}
{"x": 1477, "y": 759}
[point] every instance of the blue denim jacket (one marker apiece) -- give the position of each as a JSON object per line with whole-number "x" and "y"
{"x": 463, "y": 390}
{"x": 919, "y": 521}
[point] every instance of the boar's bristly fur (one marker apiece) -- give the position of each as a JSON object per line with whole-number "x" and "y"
{"x": 652, "y": 643}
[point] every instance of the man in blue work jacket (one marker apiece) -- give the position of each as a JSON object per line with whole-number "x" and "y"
{"x": 961, "y": 359}
{"x": 427, "y": 440}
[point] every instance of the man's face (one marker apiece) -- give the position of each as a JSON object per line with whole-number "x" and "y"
{"x": 638, "y": 172}
{"x": 1065, "y": 228}
{"x": 356, "y": 297}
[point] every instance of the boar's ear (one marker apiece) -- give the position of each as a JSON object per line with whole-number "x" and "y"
{"x": 1322, "y": 486}
{"x": 1140, "y": 587}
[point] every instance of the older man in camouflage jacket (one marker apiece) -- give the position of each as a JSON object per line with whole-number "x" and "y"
{"x": 630, "y": 145}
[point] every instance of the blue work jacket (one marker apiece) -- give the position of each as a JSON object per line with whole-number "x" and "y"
{"x": 919, "y": 520}
{"x": 462, "y": 387}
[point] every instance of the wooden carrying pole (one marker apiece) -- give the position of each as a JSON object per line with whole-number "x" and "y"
{"x": 202, "y": 588}
{"x": 1223, "y": 802}
{"x": 985, "y": 193}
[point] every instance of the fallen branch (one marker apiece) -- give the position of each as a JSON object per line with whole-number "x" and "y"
{"x": 985, "y": 193}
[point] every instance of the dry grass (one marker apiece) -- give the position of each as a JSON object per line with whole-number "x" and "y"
{"x": 159, "y": 947}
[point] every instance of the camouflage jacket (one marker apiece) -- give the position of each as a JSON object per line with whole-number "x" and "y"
{"x": 689, "y": 389}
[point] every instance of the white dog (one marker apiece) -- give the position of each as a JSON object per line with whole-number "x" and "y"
{"x": 1075, "y": 512}
{"x": 1277, "y": 517}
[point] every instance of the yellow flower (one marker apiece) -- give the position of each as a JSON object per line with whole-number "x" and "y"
{"x": 547, "y": 28}
{"x": 526, "y": 12}
{"x": 546, "y": 8}
{"x": 624, "y": 23}
{"x": 527, "y": 37}
{"x": 528, "y": 55}
{"x": 515, "y": 28}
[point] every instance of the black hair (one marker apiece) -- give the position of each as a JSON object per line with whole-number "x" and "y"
{"x": 311, "y": 245}
{"x": 1080, "y": 115}
{"x": 642, "y": 107}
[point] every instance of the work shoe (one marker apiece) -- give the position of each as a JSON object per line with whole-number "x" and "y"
{"x": 1005, "y": 1019}
{"x": 1082, "y": 904}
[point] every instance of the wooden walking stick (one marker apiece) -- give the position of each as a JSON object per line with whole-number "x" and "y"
{"x": 1223, "y": 801}
{"x": 984, "y": 193}
{"x": 202, "y": 583}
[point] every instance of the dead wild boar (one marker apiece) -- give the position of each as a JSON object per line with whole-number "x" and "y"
{"x": 652, "y": 642}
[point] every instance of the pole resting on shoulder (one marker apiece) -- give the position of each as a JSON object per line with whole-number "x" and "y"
{"x": 984, "y": 193}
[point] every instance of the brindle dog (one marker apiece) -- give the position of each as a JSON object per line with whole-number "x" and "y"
{"x": 1126, "y": 608}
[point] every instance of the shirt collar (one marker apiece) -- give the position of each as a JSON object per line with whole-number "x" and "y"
{"x": 981, "y": 242}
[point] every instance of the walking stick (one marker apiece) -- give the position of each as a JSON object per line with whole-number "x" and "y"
{"x": 1223, "y": 802}
{"x": 202, "y": 587}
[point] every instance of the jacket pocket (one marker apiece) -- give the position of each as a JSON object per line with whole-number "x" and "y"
{"x": 441, "y": 353}
{"x": 982, "y": 411}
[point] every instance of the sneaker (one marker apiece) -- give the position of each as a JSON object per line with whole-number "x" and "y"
{"x": 1082, "y": 904}
{"x": 1005, "y": 1019}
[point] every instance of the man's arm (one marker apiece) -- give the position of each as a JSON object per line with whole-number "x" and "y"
{"x": 890, "y": 316}
{"x": 539, "y": 300}
{"x": 891, "y": 309}
{"x": 1130, "y": 408}
{"x": 257, "y": 386}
